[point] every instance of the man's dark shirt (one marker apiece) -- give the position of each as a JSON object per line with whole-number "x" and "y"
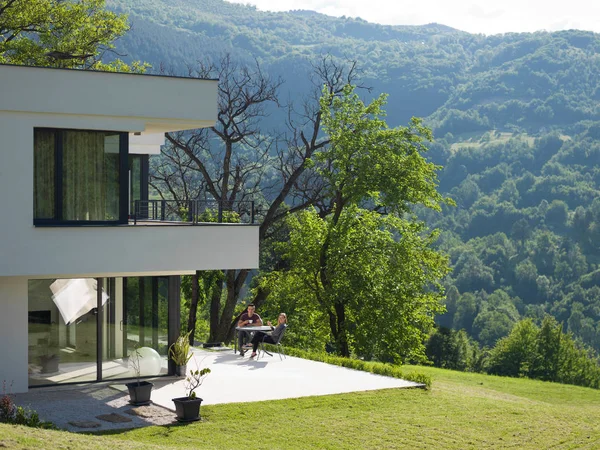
{"x": 254, "y": 318}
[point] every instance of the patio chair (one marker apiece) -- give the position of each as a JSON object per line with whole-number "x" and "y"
{"x": 280, "y": 349}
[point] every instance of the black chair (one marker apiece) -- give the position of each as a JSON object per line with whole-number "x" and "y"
{"x": 280, "y": 349}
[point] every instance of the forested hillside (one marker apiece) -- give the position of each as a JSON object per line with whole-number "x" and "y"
{"x": 516, "y": 121}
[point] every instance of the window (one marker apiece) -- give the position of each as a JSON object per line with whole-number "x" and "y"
{"x": 80, "y": 177}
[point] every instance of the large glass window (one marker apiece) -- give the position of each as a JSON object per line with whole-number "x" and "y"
{"x": 80, "y": 332}
{"x": 138, "y": 180}
{"x": 62, "y": 331}
{"x": 79, "y": 176}
{"x": 44, "y": 174}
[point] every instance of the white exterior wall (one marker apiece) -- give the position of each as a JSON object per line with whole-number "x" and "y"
{"x": 164, "y": 103}
{"x": 13, "y": 333}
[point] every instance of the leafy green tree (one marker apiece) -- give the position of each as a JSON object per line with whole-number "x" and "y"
{"x": 450, "y": 349}
{"x": 60, "y": 33}
{"x": 381, "y": 272}
{"x": 473, "y": 275}
{"x": 467, "y": 193}
{"x": 368, "y": 163}
{"x": 466, "y": 311}
{"x": 369, "y": 263}
{"x": 557, "y": 213}
{"x": 514, "y": 354}
{"x": 445, "y": 319}
{"x": 526, "y": 279}
{"x": 521, "y": 231}
{"x": 489, "y": 326}
{"x": 546, "y": 364}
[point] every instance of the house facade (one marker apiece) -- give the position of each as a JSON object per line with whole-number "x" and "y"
{"x": 90, "y": 266}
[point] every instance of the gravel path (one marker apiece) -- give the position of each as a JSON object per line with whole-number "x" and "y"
{"x": 92, "y": 408}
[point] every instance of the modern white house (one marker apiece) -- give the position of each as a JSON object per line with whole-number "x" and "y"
{"x": 89, "y": 265}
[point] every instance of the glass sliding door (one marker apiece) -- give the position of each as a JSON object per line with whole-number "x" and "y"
{"x": 146, "y": 320}
{"x": 62, "y": 331}
{"x": 79, "y": 333}
{"x": 114, "y": 353}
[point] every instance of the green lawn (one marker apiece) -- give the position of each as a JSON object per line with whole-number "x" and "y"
{"x": 460, "y": 411}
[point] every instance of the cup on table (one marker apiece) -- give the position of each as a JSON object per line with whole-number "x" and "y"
{"x": 250, "y": 322}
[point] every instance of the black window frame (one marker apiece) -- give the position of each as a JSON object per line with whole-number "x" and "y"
{"x": 144, "y": 178}
{"x": 58, "y": 180}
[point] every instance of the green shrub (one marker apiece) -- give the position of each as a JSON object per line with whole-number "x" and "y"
{"x": 379, "y": 368}
{"x": 17, "y": 415}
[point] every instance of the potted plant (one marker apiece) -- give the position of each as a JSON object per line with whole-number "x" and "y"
{"x": 180, "y": 353}
{"x": 139, "y": 391}
{"x": 188, "y": 408}
{"x": 50, "y": 359}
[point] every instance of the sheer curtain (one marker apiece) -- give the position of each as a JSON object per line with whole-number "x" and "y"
{"x": 84, "y": 192}
{"x": 89, "y": 185}
{"x": 43, "y": 174}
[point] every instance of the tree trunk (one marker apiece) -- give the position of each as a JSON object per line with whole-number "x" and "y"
{"x": 215, "y": 309}
{"x": 337, "y": 318}
{"x": 342, "y": 337}
{"x": 193, "y": 307}
{"x": 223, "y": 329}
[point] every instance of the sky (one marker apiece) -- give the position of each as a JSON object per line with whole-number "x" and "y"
{"x": 475, "y": 16}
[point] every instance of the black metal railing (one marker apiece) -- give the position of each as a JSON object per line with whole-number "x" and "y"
{"x": 193, "y": 212}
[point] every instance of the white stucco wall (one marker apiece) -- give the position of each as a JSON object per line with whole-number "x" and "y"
{"x": 163, "y": 103}
{"x": 125, "y": 251}
{"x": 146, "y": 144}
{"x": 13, "y": 333}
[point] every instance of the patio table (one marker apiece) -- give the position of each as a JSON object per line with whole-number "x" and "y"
{"x": 248, "y": 330}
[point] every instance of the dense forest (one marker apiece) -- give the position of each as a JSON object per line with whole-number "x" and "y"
{"x": 516, "y": 125}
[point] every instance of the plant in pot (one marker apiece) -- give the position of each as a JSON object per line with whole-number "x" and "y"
{"x": 50, "y": 359}
{"x": 139, "y": 391}
{"x": 180, "y": 353}
{"x": 188, "y": 408}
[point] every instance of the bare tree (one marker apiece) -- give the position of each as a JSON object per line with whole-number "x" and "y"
{"x": 228, "y": 161}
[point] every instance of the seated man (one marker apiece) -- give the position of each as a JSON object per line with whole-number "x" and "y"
{"x": 247, "y": 319}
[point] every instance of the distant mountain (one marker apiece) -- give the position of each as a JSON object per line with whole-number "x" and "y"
{"x": 517, "y": 124}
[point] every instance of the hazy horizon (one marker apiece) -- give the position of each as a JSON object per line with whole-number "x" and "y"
{"x": 465, "y": 15}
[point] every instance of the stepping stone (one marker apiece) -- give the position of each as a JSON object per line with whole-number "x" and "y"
{"x": 149, "y": 411}
{"x": 114, "y": 418}
{"x": 84, "y": 424}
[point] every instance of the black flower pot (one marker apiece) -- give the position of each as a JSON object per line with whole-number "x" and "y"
{"x": 187, "y": 409}
{"x": 139, "y": 393}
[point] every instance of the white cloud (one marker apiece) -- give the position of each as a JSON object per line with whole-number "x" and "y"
{"x": 474, "y": 16}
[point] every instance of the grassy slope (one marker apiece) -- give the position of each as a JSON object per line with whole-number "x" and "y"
{"x": 461, "y": 411}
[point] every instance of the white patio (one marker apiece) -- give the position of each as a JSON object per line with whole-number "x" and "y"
{"x": 232, "y": 379}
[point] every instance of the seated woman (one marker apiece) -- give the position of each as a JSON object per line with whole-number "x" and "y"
{"x": 272, "y": 338}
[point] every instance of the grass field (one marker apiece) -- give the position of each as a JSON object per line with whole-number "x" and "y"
{"x": 476, "y": 139}
{"x": 461, "y": 411}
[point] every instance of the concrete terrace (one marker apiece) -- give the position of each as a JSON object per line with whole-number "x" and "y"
{"x": 103, "y": 406}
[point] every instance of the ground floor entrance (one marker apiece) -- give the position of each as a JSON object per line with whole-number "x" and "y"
{"x": 85, "y": 329}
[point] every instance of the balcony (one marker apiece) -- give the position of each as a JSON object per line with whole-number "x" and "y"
{"x": 191, "y": 212}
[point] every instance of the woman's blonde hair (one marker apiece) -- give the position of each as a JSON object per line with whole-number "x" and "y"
{"x": 284, "y": 315}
